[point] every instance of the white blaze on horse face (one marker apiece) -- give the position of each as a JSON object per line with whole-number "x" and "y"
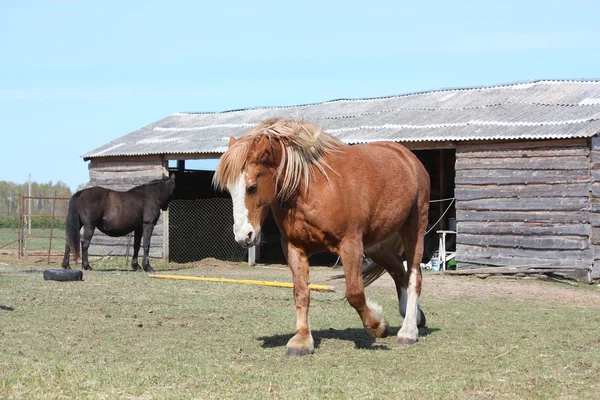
{"x": 242, "y": 228}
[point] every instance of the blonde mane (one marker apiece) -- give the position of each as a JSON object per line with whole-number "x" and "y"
{"x": 303, "y": 147}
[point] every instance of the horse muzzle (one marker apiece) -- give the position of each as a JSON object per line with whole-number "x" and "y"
{"x": 248, "y": 239}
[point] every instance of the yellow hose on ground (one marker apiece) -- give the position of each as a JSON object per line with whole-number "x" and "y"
{"x": 242, "y": 281}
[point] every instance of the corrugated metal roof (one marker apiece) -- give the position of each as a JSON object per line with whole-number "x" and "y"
{"x": 545, "y": 109}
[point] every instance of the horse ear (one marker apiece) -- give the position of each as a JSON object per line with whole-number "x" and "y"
{"x": 232, "y": 141}
{"x": 172, "y": 176}
{"x": 265, "y": 157}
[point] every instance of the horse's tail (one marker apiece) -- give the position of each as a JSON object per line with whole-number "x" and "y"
{"x": 73, "y": 226}
{"x": 371, "y": 271}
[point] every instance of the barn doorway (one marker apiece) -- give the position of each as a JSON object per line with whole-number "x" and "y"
{"x": 200, "y": 217}
{"x": 441, "y": 165}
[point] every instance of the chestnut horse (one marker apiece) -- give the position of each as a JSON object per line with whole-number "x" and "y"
{"x": 327, "y": 196}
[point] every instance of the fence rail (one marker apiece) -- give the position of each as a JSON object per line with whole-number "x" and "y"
{"x": 195, "y": 229}
{"x": 37, "y": 233}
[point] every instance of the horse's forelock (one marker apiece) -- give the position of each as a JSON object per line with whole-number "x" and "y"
{"x": 232, "y": 163}
{"x": 303, "y": 146}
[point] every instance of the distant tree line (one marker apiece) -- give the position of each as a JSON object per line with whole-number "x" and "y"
{"x": 9, "y": 203}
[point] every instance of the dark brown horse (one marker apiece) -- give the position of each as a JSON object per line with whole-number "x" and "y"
{"x": 116, "y": 214}
{"x": 326, "y": 196}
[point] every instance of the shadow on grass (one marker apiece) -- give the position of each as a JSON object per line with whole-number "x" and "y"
{"x": 116, "y": 269}
{"x": 157, "y": 270}
{"x": 39, "y": 271}
{"x": 360, "y": 337}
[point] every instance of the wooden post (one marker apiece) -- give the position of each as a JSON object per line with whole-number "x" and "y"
{"x": 165, "y": 214}
{"x": 29, "y": 203}
{"x": 252, "y": 256}
{"x": 20, "y": 243}
{"x": 52, "y": 226}
{"x": 442, "y": 251}
{"x": 165, "y": 235}
{"x": 24, "y": 244}
{"x": 441, "y": 204}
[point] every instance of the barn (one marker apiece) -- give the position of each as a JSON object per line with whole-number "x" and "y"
{"x": 515, "y": 170}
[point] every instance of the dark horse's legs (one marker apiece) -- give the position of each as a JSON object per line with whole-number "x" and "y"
{"x": 137, "y": 239}
{"x": 88, "y": 232}
{"x": 148, "y": 228}
{"x": 65, "y": 261}
{"x": 144, "y": 233}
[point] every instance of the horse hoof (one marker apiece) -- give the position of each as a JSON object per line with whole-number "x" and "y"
{"x": 149, "y": 269}
{"x": 422, "y": 320}
{"x": 66, "y": 267}
{"x": 297, "y": 351}
{"x": 385, "y": 333}
{"x": 406, "y": 341}
{"x": 87, "y": 267}
{"x": 382, "y": 331}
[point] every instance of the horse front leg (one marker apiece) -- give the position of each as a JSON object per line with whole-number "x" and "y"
{"x": 302, "y": 342}
{"x": 148, "y": 228}
{"x": 370, "y": 313}
{"x": 137, "y": 240}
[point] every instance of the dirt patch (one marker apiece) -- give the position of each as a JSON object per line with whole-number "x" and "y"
{"x": 448, "y": 287}
{"x": 435, "y": 285}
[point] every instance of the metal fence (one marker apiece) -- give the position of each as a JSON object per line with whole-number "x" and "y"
{"x": 203, "y": 228}
{"x": 37, "y": 235}
{"x": 9, "y": 241}
{"x": 197, "y": 229}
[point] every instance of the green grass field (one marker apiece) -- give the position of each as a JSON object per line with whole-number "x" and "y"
{"x": 8, "y": 237}
{"x": 120, "y": 334}
{"x": 33, "y": 242}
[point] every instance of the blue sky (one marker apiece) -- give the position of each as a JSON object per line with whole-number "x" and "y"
{"x": 75, "y": 75}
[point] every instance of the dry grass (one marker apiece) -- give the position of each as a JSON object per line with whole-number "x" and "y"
{"x": 120, "y": 334}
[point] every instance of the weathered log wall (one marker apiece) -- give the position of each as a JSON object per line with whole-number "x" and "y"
{"x": 595, "y": 205}
{"x": 123, "y": 174}
{"x": 525, "y": 204}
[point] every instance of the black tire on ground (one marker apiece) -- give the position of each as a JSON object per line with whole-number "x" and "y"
{"x": 63, "y": 275}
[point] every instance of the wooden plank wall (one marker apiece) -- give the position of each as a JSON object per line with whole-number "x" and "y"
{"x": 123, "y": 174}
{"x": 524, "y": 204}
{"x": 595, "y": 205}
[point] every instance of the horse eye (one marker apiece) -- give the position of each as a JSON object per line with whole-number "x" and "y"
{"x": 252, "y": 189}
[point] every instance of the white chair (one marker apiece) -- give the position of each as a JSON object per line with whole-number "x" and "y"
{"x": 442, "y": 255}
